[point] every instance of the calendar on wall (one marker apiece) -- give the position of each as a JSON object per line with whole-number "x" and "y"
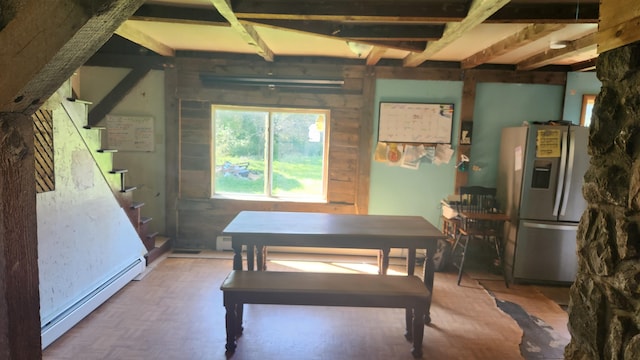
{"x": 130, "y": 133}
{"x": 415, "y": 123}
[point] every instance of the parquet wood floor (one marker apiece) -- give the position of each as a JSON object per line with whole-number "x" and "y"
{"x": 175, "y": 312}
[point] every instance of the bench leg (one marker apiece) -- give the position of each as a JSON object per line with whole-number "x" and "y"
{"x": 418, "y": 331}
{"x": 231, "y": 325}
{"x": 408, "y": 314}
{"x": 250, "y": 257}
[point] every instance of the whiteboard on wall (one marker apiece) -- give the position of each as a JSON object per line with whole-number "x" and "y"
{"x": 130, "y": 133}
{"x": 415, "y": 122}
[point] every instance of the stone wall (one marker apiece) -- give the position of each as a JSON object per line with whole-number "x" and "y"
{"x": 604, "y": 311}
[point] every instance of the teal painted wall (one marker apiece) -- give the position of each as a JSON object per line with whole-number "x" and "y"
{"x": 578, "y": 84}
{"x": 500, "y": 105}
{"x": 400, "y": 191}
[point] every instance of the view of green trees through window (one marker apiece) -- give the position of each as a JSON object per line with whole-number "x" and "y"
{"x": 271, "y": 152}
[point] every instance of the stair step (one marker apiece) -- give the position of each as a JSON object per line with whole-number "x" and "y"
{"x": 137, "y": 205}
{"x": 128, "y": 189}
{"x": 93, "y": 127}
{"x": 145, "y": 220}
{"x": 118, "y": 171}
{"x": 153, "y": 235}
{"x": 107, "y": 150}
{"x": 79, "y": 101}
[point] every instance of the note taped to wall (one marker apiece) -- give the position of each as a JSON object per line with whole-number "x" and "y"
{"x": 130, "y": 133}
{"x": 548, "y": 143}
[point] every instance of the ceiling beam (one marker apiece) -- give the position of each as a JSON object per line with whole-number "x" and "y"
{"x": 375, "y": 55}
{"x": 360, "y": 10}
{"x": 247, "y": 32}
{"x": 366, "y": 31}
{"x": 411, "y": 10}
{"x": 585, "y": 43}
{"x": 587, "y": 65}
{"x": 479, "y": 11}
{"x": 179, "y": 14}
{"x": 46, "y": 41}
{"x": 566, "y": 12}
{"x": 404, "y": 45}
{"x": 523, "y": 37}
{"x": 113, "y": 98}
{"x": 131, "y": 33}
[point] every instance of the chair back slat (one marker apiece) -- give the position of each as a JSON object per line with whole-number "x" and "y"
{"x": 478, "y": 198}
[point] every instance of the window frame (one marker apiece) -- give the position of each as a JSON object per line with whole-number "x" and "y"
{"x": 269, "y": 144}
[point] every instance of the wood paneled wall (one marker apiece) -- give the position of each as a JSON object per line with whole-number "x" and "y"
{"x": 201, "y": 216}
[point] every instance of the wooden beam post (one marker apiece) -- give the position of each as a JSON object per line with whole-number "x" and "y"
{"x": 466, "y": 115}
{"x": 19, "y": 282}
{"x": 44, "y": 42}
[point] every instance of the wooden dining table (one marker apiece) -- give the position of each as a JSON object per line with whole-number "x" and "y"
{"x": 260, "y": 229}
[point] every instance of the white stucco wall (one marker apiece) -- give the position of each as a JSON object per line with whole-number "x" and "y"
{"x": 84, "y": 236}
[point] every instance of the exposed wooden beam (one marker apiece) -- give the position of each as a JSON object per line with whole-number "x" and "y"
{"x": 179, "y": 14}
{"x": 19, "y": 295}
{"x": 367, "y": 31}
{"x": 421, "y": 11}
{"x": 588, "y": 65}
{"x": 614, "y": 34}
{"x": 133, "y": 34}
{"x": 375, "y": 55}
{"x": 479, "y": 11}
{"x": 247, "y": 32}
{"x": 523, "y": 37}
{"x": 389, "y": 44}
{"x": 118, "y": 93}
{"x": 547, "y": 13}
{"x": 46, "y": 41}
{"x": 585, "y": 43}
{"x": 361, "y": 10}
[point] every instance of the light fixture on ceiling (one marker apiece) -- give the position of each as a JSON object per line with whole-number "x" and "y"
{"x": 555, "y": 45}
{"x": 359, "y": 49}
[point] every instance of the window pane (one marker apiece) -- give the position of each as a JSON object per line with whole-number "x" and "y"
{"x": 298, "y": 153}
{"x": 239, "y": 151}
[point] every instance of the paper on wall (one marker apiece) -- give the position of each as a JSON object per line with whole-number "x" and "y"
{"x": 443, "y": 154}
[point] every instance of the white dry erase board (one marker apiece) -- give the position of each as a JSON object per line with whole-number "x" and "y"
{"x": 130, "y": 133}
{"x": 415, "y": 123}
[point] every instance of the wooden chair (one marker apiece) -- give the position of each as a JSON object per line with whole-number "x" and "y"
{"x": 479, "y": 220}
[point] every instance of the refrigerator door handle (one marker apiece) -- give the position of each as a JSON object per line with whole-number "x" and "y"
{"x": 563, "y": 165}
{"x": 567, "y": 180}
{"x": 548, "y": 226}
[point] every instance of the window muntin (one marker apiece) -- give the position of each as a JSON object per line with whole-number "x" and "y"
{"x": 270, "y": 152}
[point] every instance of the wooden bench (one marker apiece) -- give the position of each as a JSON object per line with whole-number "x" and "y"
{"x": 325, "y": 289}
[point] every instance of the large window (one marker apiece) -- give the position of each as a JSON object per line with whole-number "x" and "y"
{"x": 269, "y": 152}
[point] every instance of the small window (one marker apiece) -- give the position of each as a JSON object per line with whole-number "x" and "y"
{"x": 270, "y": 153}
{"x": 587, "y": 108}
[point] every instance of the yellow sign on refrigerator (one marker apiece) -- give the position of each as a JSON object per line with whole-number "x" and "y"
{"x": 548, "y": 143}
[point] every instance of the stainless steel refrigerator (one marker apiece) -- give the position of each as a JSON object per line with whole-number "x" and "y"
{"x": 540, "y": 177}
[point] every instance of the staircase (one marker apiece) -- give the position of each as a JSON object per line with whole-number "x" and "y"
{"x": 155, "y": 244}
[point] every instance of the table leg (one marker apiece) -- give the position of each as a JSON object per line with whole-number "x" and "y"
{"x": 261, "y": 257}
{"x": 250, "y": 256}
{"x": 429, "y": 270}
{"x": 384, "y": 262}
{"x": 237, "y": 256}
{"x": 411, "y": 261}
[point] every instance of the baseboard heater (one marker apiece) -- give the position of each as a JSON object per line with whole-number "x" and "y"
{"x": 83, "y": 307}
